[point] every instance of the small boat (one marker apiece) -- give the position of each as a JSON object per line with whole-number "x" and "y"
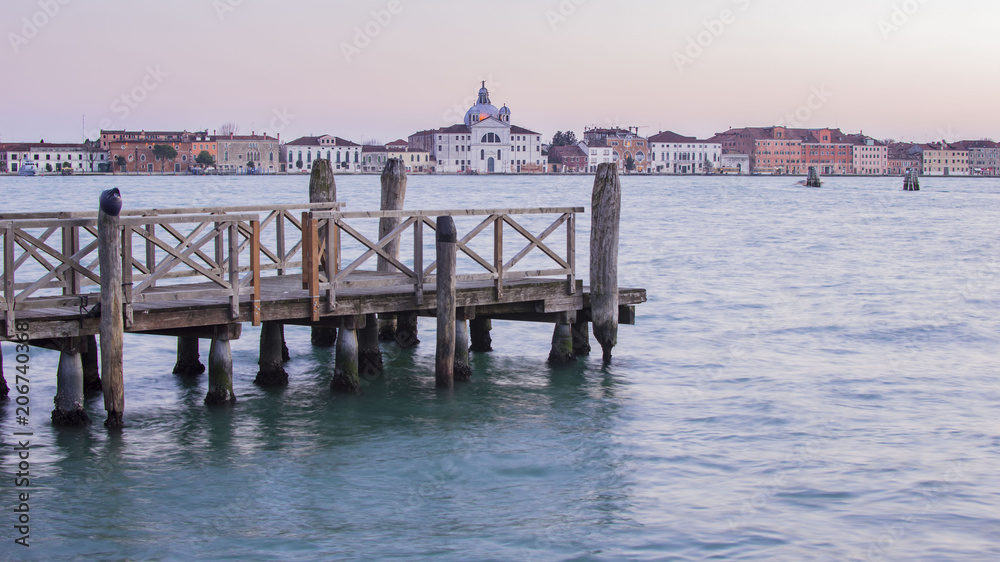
{"x": 27, "y": 169}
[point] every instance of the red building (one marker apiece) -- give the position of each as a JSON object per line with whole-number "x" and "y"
{"x": 567, "y": 159}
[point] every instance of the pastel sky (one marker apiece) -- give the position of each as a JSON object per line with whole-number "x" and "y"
{"x": 905, "y": 69}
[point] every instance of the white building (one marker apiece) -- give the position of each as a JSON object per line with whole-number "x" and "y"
{"x": 598, "y": 152}
{"x": 486, "y": 143}
{"x": 871, "y": 158}
{"x": 734, "y": 164}
{"x": 671, "y": 153}
{"x": 53, "y": 157}
{"x": 343, "y": 154}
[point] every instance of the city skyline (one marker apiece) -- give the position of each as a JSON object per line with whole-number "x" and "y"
{"x": 907, "y": 70}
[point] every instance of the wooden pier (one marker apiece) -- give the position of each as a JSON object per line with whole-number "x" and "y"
{"x": 201, "y": 273}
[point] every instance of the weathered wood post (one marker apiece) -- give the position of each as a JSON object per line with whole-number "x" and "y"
{"x": 345, "y": 373}
{"x": 393, "y": 197}
{"x": 4, "y": 389}
{"x": 606, "y": 217}
{"x": 369, "y": 354}
{"x": 323, "y": 189}
{"x": 447, "y": 254}
{"x": 812, "y": 179}
{"x": 581, "y": 338}
{"x": 188, "y": 358}
{"x": 220, "y": 369}
{"x": 562, "y": 342}
{"x": 91, "y": 370}
{"x": 69, "y": 387}
{"x": 479, "y": 329}
{"x": 463, "y": 370}
{"x": 272, "y": 366}
{"x": 912, "y": 181}
{"x": 109, "y": 241}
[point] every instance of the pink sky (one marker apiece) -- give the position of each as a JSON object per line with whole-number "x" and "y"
{"x": 907, "y": 69}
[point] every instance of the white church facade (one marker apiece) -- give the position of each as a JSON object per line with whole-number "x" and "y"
{"x": 486, "y": 143}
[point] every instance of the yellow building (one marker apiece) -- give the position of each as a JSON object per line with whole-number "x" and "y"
{"x": 943, "y": 159}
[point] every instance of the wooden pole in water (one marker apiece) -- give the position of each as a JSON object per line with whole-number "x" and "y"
{"x": 912, "y": 181}
{"x": 346, "y": 377}
{"x": 69, "y": 387}
{"x": 272, "y": 365}
{"x": 91, "y": 370}
{"x": 479, "y": 329}
{"x": 393, "y": 198}
{"x": 581, "y": 338}
{"x": 220, "y": 369}
{"x": 322, "y": 189}
{"x": 447, "y": 253}
{"x": 606, "y": 213}
{"x": 4, "y": 389}
{"x": 188, "y": 358}
{"x": 371, "y": 365}
{"x": 463, "y": 370}
{"x": 112, "y": 322}
{"x": 562, "y": 342}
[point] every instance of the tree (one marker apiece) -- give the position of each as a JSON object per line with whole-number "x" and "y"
{"x": 164, "y": 152}
{"x": 229, "y": 128}
{"x": 205, "y": 159}
{"x": 120, "y": 160}
{"x": 564, "y": 139}
{"x": 629, "y": 163}
{"x": 299, "y": 163}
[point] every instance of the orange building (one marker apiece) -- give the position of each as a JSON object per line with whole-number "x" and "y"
{"x": 132, "y": 151}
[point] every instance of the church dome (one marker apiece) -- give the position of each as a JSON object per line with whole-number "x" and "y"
{"x": 505, "y": 110}
{"x": 483, "y": 109}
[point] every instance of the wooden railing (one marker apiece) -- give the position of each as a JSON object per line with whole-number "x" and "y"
{"x": 50, "y": 259}
{"x": 329, "y": 249}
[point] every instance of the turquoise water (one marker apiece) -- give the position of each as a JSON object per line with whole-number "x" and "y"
{"x": 816, "y": 376}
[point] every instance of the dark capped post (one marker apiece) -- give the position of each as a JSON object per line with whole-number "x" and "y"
{"x": 112, "y": 322}
{"x": 447, "y": 254}
{"x": 322, "y": 189}
{"x": 606, "y": 217}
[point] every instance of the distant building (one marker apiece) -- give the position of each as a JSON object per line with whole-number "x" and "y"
{"x": 984, "y": 157}
{"x": 827, "y": 150}
{"x": 901, "y": 160}
{"x": 249, "y": 154}
{"x": 772, "y": 150}
{"x": 942, "y": 159}
{"x": 870, "y": 158}
{"x": 485, "y": 143}
{"x": 373, "y": 158}
{"x": 734, "y": 164}
{"x": 671, "y": 153}
{"x": 598, "y": 152}
{"x": 343, "y": 154}
{"x": 53, "y": 157}
{"x": 623, "y": 144}
{"x": 135, "y": 150}
{"x": 568, "y": 159}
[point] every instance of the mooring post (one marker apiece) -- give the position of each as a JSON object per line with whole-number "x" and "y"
{"x": 369, "y": 354}
{"x": 91, "y": 370}
{"x": 345, "y": 373}
{"x": 812, "y": 179}
{"x": 562, "y": 342}
{"x": 606, "y": 217}
{"x": 188, "y": 358}
{"x": 323, "y": 189}
{"x": 220, "y": 369}
{"x": 581, "y": 338}
{"x": 285, "y": 356}
{"x": 393, "y": 197}
{"x": 69, "y": 386}
{"x": 911, "y": 181}
{"x": 4, "y": 389}
{"x": 463, "y": 370}
{"x": 479, "y": 329}
{"x": 272, "y": 366}
{"x": 447, "y": 253}
{"x": 109, "y": 248}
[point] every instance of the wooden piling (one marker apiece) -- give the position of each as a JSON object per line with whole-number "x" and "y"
{"x": 272, "y": 366}
{"x": 220, "y": 370}
{"x": 911, "y": 182}
{"x": 322, "y": 189}
{"x": 188, "y": 358}
{"x": 371, "y": 365}
{"x": 69, "y": 387}
{"x": 581, "y": 338}
{"x": 346, "y": 379}
{"x": 285, "y": 356}
{"x": 4, "y": 389}
{"x": 447, "y": 253}
{"x": 91, "y": 369}
{"x": 812, "y": 179}
{"x": 112, "y": 325}
{"x": 393, "y": 197}
{"x": 463, "y": 370}
{"x": 562, "y": 345}
{"x": 479, "y": 330}
{"x": 604, "y": 235}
